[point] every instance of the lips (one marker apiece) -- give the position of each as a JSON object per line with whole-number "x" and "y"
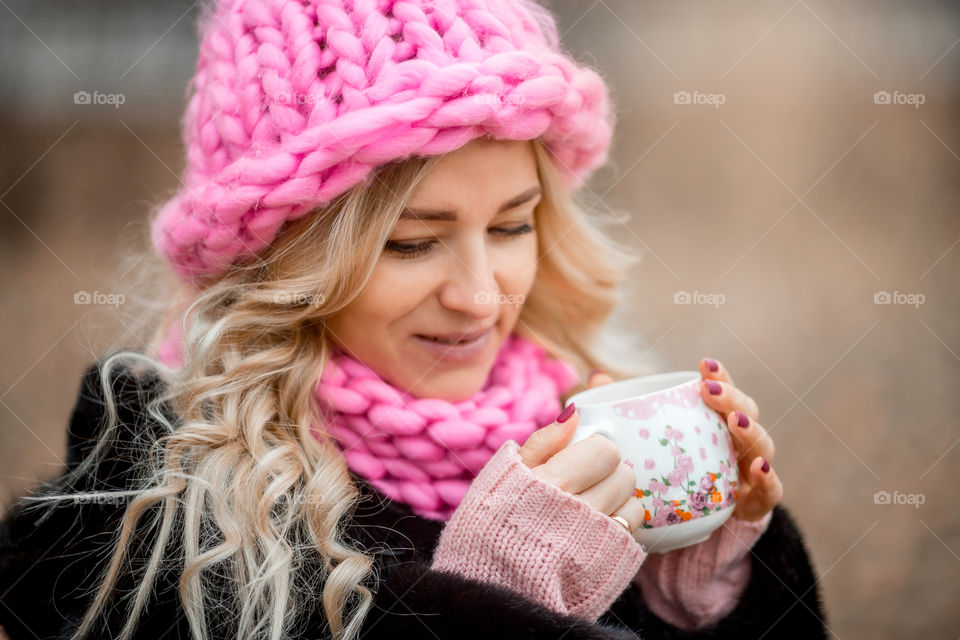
{"x": 455, "y": 338}
{"x": 459, "y": 350}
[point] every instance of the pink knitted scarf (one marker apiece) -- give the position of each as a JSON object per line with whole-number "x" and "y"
{"x": 426, "y": 451}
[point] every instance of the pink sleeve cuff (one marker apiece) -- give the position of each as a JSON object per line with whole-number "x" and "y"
{"x": 697, "y": 586}
{"x": 519, "y": 531}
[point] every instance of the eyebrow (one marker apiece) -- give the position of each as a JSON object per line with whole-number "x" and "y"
{"x": 450, "y": 216}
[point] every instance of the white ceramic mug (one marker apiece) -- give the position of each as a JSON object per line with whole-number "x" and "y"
{"x": 680, "y": 449}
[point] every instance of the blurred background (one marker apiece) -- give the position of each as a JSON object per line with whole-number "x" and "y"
{"x": 791, "y": 172}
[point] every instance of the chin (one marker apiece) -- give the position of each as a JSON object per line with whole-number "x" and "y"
{"x": 450, "y": 382}
{"x": 452, "y": 386}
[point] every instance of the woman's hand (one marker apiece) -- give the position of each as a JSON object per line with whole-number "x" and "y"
{"x": 590, "y": 469}
{"x": 760, "y": 489}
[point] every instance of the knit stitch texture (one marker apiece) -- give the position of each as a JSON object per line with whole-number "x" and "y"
{"x": 519, "y": 531}
{"x": 425, "y": 451}
{"x": 294, "y": 102}
{"x": 696, "y": 586}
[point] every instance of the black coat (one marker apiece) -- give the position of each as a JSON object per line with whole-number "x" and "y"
{"x": 47, "y": 566}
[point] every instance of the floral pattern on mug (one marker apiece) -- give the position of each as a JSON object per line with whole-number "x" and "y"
{"x": 713, "y": 491}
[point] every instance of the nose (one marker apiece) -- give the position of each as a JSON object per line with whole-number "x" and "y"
{"x": 471, "y": 286}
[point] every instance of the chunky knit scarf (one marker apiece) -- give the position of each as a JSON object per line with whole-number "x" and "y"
{"x": 425, "y": 451}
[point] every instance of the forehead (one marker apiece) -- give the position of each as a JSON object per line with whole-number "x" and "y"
{"x": 450, "y": 214}
{"x": 485, "y": 173}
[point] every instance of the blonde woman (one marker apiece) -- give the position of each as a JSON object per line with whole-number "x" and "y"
{"x": 348, "y": 423}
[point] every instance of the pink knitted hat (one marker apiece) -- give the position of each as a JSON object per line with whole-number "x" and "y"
{"x": 296, "y": 101}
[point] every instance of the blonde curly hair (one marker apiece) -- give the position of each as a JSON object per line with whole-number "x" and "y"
{"x": 237, "y": 479}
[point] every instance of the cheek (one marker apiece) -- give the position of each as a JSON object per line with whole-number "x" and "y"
{"x": 517, "y": 267}
{"x": 394, "y": 290}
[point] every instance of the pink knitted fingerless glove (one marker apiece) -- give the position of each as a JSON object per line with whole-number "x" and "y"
{"x": 514, "y": 529}
{"x": 697, "y": 586}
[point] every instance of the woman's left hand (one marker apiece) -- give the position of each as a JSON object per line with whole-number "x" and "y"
{"x": 760, "y": 490}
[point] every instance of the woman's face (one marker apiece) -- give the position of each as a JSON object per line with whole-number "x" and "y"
{"x": 460, "y": 261}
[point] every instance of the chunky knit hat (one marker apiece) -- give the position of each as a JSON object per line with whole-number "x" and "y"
{"x": 296, "y": 101}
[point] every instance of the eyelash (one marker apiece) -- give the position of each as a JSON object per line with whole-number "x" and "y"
{"x": 408, "y": 251}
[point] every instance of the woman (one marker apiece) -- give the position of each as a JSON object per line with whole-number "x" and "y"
{"x": 385, "y": 289}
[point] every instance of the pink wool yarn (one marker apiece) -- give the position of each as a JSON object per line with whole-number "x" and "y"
{"x": 294, "y": 102}
{"x": 426, "y": 451}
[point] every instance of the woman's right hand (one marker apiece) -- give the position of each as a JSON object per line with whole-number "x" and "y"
{"x": 549, "y": 543}
{"x": 590, "y": 469}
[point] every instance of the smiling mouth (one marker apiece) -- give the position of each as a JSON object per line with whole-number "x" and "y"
{"x": 442, "y": 341}
{"x": 453, "y": 339}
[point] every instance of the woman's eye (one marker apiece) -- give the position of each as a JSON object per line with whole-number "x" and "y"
{"x": 515, "y": 231}
{"x": 414, "y": 249}
{"x": 408, "y": 250}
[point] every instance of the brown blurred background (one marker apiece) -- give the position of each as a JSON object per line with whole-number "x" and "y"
{"x": 782, "y": 200}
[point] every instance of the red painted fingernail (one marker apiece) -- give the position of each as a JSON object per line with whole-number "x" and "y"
{"x": 712, "y": 364}
{"x": 714, "y": 387}
{"x": 765, "y": 467}
{"x": 594, "y": 372}
{"x": 743, "y": 419}
{"x": 567, "y": 412}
